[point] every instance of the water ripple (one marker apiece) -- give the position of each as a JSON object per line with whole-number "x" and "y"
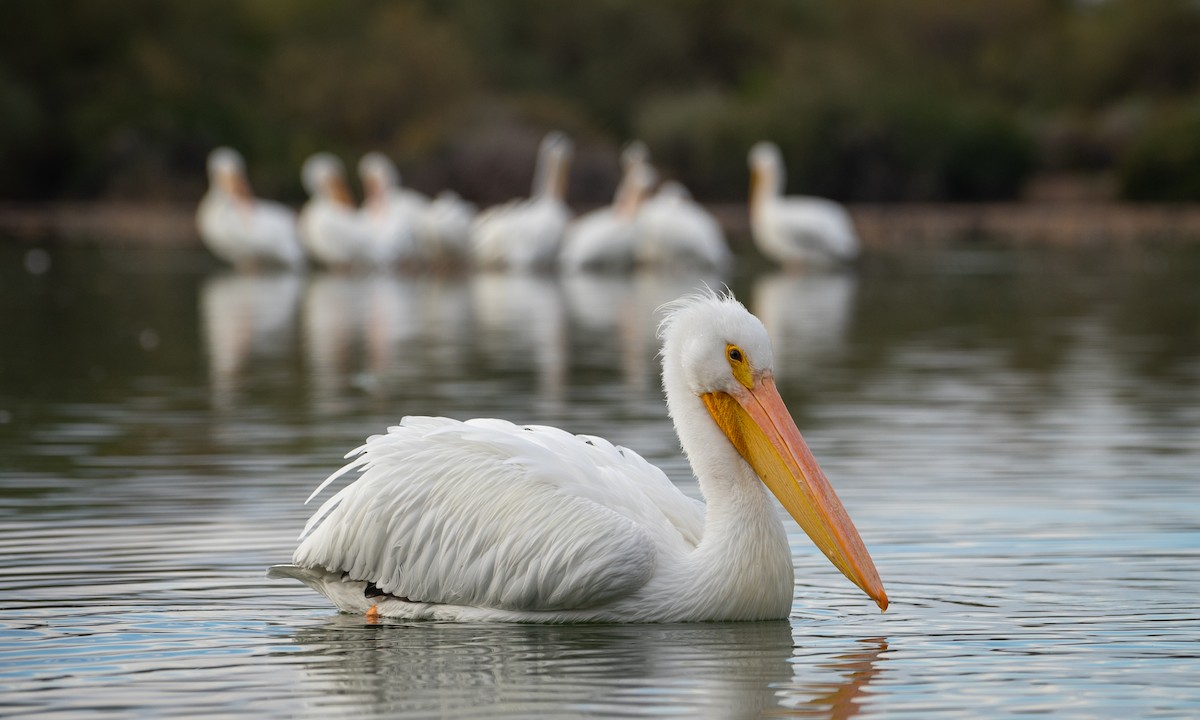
{"x": 1023, "y": 471}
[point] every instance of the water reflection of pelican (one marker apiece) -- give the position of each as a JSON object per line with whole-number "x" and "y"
{"x": 352, "y": 329}
{"x": 243, "y": 316}
{"x": 522, "y": 326}
{"x": 651, "y": 289}
{"x": 856, "y": 668}
{"x": 446, "y": 324}
{"x": 617, "y": 316}
{"x": 601, "y": 307}
{"x": 708, "y": 670}
{"x": 807, "y": 316}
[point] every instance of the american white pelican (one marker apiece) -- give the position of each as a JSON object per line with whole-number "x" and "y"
{"x": 603, "y": 239}
{"x": 237, "y": 227}
{"x": 795, "y": 231}
{"x": 446, "y": 229}
{"x": 675, "y": 232}
{"x": 331, "y": 228}
{"x": 393, "y": 213}
{"x": 486, "y": 520}
{"x": 525, "y": 235}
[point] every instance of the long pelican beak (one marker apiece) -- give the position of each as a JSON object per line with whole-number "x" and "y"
{"x": 339, "y": 191}
{"x": 760, "y": 427}
{"x": 237, "y": 186}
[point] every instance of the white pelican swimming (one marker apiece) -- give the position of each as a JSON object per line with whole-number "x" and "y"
{"x": 526, "y": 234}
{"x": 446, "y": 229}
{"x": 393, "y": 213}
{"x": 603, "y": 239}
{"x": 795, "y": 231}
{"x": 333, "y": 231}
{"x": 675, "y": 232}
{"x": 486, "y": 520}
{"x": 237, "y": 227}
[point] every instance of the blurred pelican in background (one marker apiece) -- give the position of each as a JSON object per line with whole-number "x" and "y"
{"x": 526, "y": 234}
{"x": 445, "y": 233}
{"x": 797, "y": 231}
{"x": 393, "y": 213}
{"x": 676, "y": 233}
{"x": 603, "y": 239}
{"x": 240, "y": 229}
{"x": 333, "y": 231}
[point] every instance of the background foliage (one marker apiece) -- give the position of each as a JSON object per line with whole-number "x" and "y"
{"x": 871, "y": 100}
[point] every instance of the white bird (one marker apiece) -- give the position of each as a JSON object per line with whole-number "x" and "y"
{"x": 333, "y": 231}
{"x": 237, "y": 227}
{"x": 446, "y": 229}
{"x": 795, "y": 231}
{"x": 525, "y": 235}
{"x": 393, "y": 213}
{"x": 675, "y": 232}
{"x": 486, "y": 520}
{"x": 603, "y": 239}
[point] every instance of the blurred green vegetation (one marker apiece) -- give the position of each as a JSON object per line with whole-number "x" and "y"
{"x": 871, "y": 100}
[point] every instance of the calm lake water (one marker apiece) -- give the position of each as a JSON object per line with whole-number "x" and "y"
{"x": 1015, "y": 433}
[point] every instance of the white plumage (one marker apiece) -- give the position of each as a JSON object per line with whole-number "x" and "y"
{"x": 333, "y": 231}
{"x": 604, "y": 238}
{"x": 445, "y": 232}
{"x": 795, "y": 231}
{"x": 512, "y": 518}
{"x": 393, "y": 214}
{"x": 675, "y": 232}
{"x": 526, "y": 234}
{"x": 237, "y": 227}
{"x": 486, "y": 520}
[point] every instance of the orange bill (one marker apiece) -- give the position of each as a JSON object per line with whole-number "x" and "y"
{"x": 761, "y": 428}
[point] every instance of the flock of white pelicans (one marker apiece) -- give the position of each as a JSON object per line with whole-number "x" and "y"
{"x": 486, "y": 520}
{"x": 645, "y": 226}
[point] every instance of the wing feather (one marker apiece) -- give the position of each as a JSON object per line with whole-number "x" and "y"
{"x": 489, "y": 514}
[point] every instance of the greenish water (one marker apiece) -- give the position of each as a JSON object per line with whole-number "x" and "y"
{"x": 1016, "y": 434}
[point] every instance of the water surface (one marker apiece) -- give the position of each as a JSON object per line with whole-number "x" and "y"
{"x": 1015, "y": 433}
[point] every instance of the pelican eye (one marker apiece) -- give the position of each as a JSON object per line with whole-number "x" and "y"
{"x": 739, "y": 365}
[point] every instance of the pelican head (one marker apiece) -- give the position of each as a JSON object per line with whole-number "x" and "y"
{"x": 766, "y": 169}
{"x": 634, "y": 189}
{"x": 635, "y": 153}
{"x": 718, "y": 372}
{"x": 324, "y": 177}
{"x": 378, "y": 174}
{"x": 551, "y": 140}
{"x": 552, "y": 173}
{"x": 227, "y": 172}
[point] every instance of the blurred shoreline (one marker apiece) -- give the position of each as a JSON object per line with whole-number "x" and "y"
{"x": 880, "y": 226}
